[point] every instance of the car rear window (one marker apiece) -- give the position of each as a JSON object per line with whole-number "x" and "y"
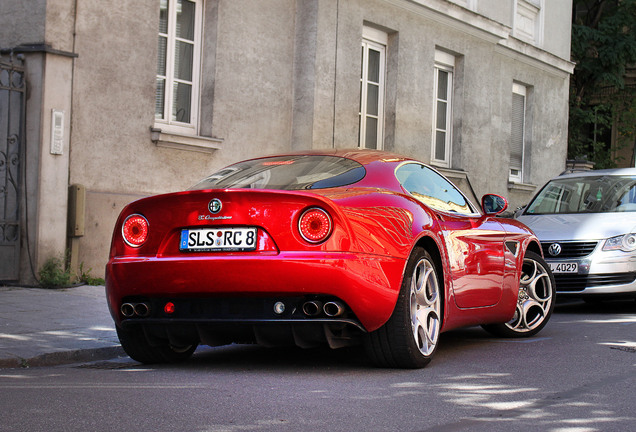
{"x": 286, "y": 173}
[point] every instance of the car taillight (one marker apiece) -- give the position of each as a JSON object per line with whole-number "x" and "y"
{"x": 135, "y": 230}
{"x": 315, "y": 225}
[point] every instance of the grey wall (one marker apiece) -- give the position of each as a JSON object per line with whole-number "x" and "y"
{"x": 284, "y": 75}
{"x": 22, "y": 22}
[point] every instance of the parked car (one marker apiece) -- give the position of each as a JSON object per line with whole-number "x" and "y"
{"x": 586, "y": 222}
{"x": 322, "y": 248}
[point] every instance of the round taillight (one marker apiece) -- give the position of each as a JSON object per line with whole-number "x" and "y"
{"x": 135, "y": 230}
{"x": 315, "y": 225}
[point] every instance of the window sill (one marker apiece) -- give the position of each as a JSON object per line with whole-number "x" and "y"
{"x": 523, "y": 187}
{"x": 184, "y": 142}
{"x": 451, "y": 174}
{"x": 439, "y": 165}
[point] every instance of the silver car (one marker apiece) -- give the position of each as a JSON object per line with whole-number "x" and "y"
{"x": 586, "y": 222}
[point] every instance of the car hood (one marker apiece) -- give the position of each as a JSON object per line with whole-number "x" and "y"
{"x": 589, "y": 226}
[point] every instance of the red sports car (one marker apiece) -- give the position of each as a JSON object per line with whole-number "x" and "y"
{"x": 322, "y": 248}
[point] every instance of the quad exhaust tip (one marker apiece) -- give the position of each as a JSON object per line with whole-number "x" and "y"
{"x": 130, "y": 310}
{"x": 312, "y": 308}
{"x": 332, "y": 309}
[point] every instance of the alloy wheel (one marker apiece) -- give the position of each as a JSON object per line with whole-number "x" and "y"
{"x": 425, "y": 306}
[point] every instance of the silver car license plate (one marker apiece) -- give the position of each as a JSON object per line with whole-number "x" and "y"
{"x": 564, "y": 267}
{"x": 218, "y": 239}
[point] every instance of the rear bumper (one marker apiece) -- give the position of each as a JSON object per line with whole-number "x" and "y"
{"x": 367, "y": 284}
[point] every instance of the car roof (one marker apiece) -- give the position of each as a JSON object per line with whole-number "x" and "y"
{"x": 362, "y": 156}
{"x": 603, "y": 172}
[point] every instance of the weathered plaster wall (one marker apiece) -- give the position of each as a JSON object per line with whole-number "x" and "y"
{"x": 249, "y": 75}
{"x": 47, "y": 27}
{"x": 482, "y": 99}
{"x": 60, "y": 22}
{"x": 558, "y": 27}
{"x": 54, "y": 168}
{"x": 286, "y": 77}
{"x": 499, "y": 11}
{"x": 22, "y": 22}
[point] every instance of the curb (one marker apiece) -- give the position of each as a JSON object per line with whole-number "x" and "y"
{"x": 63, "y": 357}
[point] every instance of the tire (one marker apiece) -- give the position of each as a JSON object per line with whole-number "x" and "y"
{"x": 536, "y": 299}
{"x": 409, "y": 338}
{"x": 136, "y": 345}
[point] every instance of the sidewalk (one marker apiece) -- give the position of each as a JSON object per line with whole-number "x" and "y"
{"x": 42, "y": 327}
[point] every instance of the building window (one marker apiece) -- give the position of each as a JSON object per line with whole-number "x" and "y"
{"x": 528, "y": 22}
{"x": 178, "y": 64}
{"x": 373, "y": 70}
{"x": 442, "y": 110}
{"x": 518, "y": 132}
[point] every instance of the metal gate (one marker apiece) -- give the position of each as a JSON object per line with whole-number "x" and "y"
{"x": 12, "y": 89}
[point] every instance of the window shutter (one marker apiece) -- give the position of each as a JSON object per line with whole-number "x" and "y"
{"x": 517, "y": 134}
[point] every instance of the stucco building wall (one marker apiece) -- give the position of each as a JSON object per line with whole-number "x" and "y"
{"x": 284, "y": 75}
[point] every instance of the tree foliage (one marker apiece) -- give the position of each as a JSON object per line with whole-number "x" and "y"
{"x": 604, "y": 48}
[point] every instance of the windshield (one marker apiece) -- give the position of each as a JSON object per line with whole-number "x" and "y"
{"x": 594, "y": 194}
{"x": 286, "y": 173}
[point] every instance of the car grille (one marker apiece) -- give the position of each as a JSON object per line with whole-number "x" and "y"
{"x": 573, "y": 283}
{"x": 570, "y": 249}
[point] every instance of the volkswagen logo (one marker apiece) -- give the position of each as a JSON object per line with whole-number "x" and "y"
{"x": 215, "y": 206}
{"x": 554, "y": 249}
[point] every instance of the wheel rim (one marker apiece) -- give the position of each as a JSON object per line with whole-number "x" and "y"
{"x": 425, "y": 306}
{"x": 535, "y": 297}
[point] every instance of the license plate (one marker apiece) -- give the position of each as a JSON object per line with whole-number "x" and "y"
{"x": 564, "y": 267}
{"x": 218, "y": 239}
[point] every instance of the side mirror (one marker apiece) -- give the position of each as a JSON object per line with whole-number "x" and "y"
{"x": 493, "y": 204}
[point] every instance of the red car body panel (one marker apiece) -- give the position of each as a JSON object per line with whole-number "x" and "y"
{"x": 376, "y": 225}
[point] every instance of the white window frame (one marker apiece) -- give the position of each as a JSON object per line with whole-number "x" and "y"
{"x": 377, "y": 40}
{"x": 167, "y": 123}
{"x": 444, "y": 62}
{"x": 515, "y": 172}
{"x": 528, "y": 21}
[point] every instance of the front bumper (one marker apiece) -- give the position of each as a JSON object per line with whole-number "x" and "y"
{"x": 600, "y": 273}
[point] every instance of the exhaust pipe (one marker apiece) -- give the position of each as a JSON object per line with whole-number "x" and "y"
{"x": 127, "y": 310}
{"x": 333, "y": 309}
{"x": 312, "y": 308}
{"x": 142, "y": 309}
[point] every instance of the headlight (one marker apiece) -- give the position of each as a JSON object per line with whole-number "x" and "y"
{"x": 626, "y": 243}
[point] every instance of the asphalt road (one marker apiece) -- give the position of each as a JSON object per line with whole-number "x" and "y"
{"x": 577, "y": 375}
